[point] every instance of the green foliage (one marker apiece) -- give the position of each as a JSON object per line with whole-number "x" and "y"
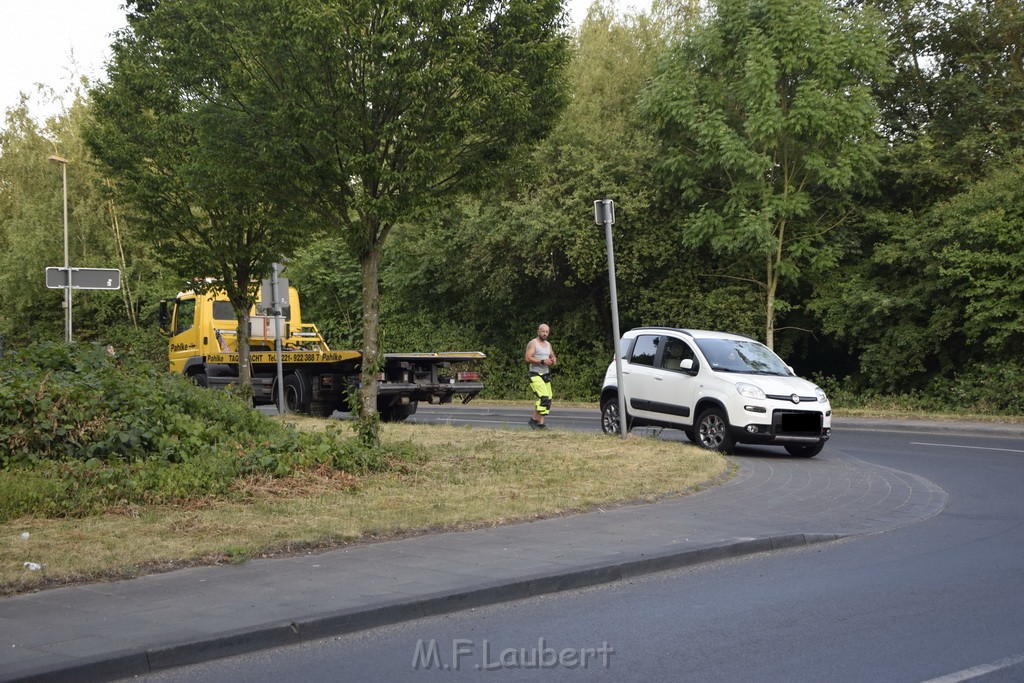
{"x": 100, "y": 235}
{"x": 81, "y": 430}
{"x": 365, "y": 114}
{"x": 767, "y": 118}
{"x": 979, "y": 388}
{"x": 892, "y": 280}
{"x": 327, "y": 275}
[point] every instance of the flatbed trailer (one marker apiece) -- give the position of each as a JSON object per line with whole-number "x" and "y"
{"x": 316, "y": 380}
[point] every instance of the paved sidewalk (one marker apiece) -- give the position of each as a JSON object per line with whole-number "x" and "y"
{"x": 110, "y": 630}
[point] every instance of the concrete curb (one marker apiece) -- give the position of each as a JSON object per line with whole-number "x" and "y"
{"x": 301, "y": 629}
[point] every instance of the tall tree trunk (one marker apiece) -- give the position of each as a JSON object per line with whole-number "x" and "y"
{"x": 772, "y": 283}
{"x": 244, "y": 367}
{"x": 369, "y": 263}
{"x": 126, "y": 292}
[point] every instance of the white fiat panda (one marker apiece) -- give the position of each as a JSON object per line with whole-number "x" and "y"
{"x": 718, "y": 388}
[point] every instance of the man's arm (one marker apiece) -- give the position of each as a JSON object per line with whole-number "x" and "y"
{"x": 529, "y": 353}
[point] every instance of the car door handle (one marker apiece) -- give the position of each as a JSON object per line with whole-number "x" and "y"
{"x": 658, "y": 377}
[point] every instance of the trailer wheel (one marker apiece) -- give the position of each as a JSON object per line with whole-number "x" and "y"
{"x": 321, "y": 409}
{"x": 397, "y": 413}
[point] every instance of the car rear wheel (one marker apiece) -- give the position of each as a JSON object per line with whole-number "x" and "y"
{"x": 713, "y": 431}
{"x": 802, "y": 450}
{"x": 610, "y": 416}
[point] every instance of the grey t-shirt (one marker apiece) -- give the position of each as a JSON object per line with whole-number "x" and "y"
{"x": 541, "y": 351}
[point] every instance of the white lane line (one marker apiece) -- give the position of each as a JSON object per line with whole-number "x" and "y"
{"x": 973, "y": 448}
{"x": 976, "y": 671}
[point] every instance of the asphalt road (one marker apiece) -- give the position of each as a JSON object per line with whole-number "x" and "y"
{"x": 939, "y": 600}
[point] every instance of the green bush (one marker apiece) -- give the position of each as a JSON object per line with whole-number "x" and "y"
{"x": 82, "y": 429}
{"x": 983, "y": 388}
{"x": 987, "y": 389}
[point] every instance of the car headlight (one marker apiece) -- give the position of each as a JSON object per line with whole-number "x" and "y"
{"x": 749, "y": 390}
{"x": 822, "y": 398}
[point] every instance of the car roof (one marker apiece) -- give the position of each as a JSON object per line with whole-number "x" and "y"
{"x": 696, "y": 334}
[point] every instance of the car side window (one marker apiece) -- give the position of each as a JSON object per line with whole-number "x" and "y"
{"x": 644, "y": 350}
{"x": 625, "y": 345}
{"x": 676, "y": 351}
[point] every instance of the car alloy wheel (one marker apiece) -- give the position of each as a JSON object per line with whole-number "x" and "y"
{"x": 713, "y": 431}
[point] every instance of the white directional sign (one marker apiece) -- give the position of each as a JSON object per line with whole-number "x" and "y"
{"x": 84, "y": 278}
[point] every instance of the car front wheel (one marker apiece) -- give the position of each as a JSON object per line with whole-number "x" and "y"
{"x": 713, "y": 431}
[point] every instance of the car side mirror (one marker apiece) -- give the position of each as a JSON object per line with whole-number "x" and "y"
{"x": 686, "y": 365}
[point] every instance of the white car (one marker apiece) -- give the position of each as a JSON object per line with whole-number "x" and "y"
{"x": 718, "y": 388}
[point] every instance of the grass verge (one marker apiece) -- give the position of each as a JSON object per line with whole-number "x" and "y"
{"x": 459, "y": 478}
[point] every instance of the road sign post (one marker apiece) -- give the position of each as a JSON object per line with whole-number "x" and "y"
{"x": 604, "y": 213}
{"x": 278, "y": 283}
{"x": 80, "y": 278}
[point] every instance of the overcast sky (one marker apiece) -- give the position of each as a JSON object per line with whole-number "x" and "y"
{"x": 50, "y": 41}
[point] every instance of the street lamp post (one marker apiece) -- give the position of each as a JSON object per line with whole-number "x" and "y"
{"x": 67, "y": 262}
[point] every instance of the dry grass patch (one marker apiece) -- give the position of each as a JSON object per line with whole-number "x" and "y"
{"x": 462, "y": 478}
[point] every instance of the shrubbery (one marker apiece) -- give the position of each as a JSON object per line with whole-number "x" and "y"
{"x": 987, "y": 389}
{"x": 83, "y": 428}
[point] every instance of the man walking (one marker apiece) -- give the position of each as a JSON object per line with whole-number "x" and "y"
{"x": 541, "y": 358}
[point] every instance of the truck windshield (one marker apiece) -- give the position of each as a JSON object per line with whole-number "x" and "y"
{"x": 747, "y": 357}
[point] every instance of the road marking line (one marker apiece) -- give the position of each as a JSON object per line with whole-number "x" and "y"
{"x": 974, "y": 448}
{"x": 976, "y": 671}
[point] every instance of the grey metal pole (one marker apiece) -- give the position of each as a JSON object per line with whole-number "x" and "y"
{"x": 615, "y": 315}
{"x": 67, "y": 261}
{"x": 281, "y": 408}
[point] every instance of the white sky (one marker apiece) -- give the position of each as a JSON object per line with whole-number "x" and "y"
{"x": 53, "y": 41}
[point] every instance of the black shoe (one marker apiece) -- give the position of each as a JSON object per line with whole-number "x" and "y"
{"x": 535, "y": 425}
{"x": 541, "y": 425}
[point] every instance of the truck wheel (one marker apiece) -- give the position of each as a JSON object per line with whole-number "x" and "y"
{"x": 802, "y": 450}
{"x": 713, "y": 431}
{"x": 201, "y": 379}
{"x": 293, "y": 395}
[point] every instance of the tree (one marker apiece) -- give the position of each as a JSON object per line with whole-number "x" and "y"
{"x": 367, "y": 113}
{"x": 185, "y": 159}
{"x": 956, "y": 100}
{"x": 528, "y": 250}
{"x": 767, "y": 119}
{"x": 928, "y": 287}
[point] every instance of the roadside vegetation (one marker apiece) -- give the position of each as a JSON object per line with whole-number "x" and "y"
{"x": 110, "y": 468}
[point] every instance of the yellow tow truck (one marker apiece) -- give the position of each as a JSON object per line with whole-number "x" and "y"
{"x": 316, "y": 379}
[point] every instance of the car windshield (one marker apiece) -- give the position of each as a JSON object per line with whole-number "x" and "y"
{"x": 748, "y": 357}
